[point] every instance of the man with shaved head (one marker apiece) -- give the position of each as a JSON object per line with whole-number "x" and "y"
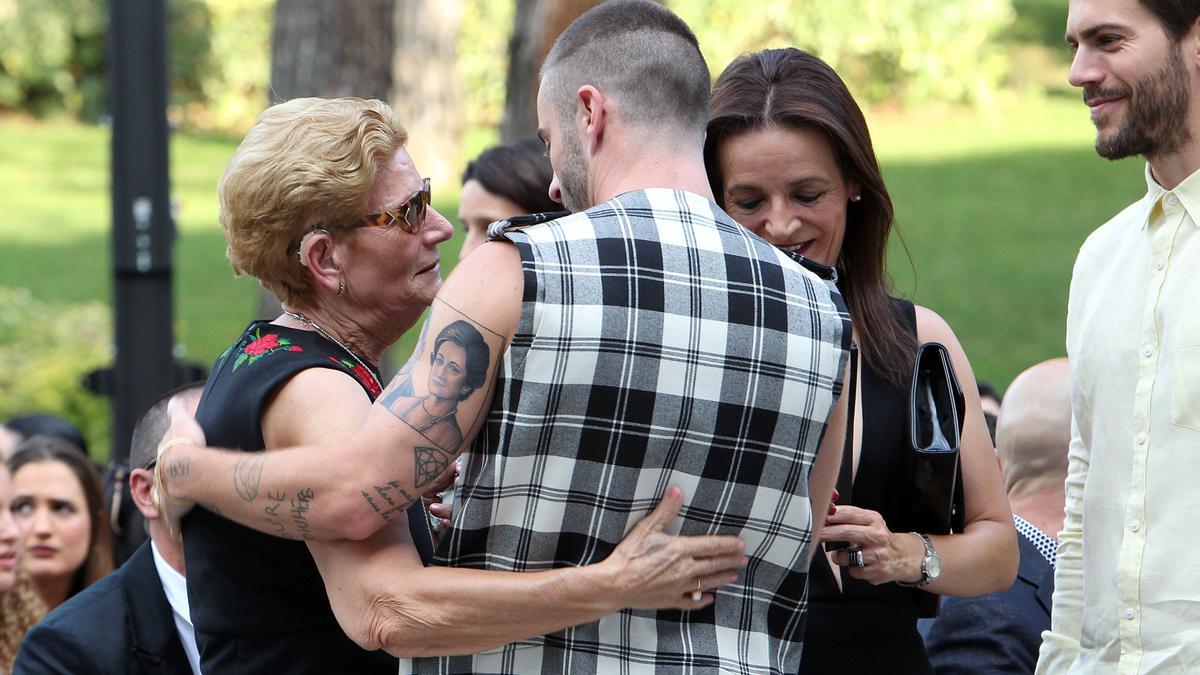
{"x": 1001, "y": 632}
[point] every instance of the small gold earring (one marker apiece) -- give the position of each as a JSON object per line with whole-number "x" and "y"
{"x": 341, "y": 286}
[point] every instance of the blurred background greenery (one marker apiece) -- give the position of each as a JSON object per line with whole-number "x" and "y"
{"x": 987, "y": 151}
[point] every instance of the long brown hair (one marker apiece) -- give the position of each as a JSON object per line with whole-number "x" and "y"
{"x": 793, "y": 88}
{"x": 99, "y": 560}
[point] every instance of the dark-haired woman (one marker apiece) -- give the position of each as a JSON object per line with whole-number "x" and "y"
{"x": 502, "y": 182}
{"x": 59, "y": 505}
{"x": 790, "y": 158}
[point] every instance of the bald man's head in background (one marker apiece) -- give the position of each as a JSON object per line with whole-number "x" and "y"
{"x": 1034, "y": 429}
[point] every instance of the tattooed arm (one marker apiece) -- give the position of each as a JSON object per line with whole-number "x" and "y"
{"x": 421, "y": 422}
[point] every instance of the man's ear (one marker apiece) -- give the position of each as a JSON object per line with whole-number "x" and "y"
{"x": 592, "y": 116}
{"x": 141, "y": 484}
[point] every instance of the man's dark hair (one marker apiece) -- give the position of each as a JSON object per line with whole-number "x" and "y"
{"x": 640, "y": 53}
{"x": 45, "y": 424}
{"x": 1176, "y": 16}
{"x": 518, "y": 171}
{"x": 151, "y": 426}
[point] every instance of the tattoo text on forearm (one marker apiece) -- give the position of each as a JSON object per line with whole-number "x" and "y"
{"x": 384, "y": 503}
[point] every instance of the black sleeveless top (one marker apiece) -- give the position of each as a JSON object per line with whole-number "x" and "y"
{"x": 257, "y": 601}
{"x": 864, "y": 628}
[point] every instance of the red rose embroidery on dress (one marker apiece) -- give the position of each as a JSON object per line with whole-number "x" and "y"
{"x": 367, "y": 379}
{"x": 364, "y": 376}
{"x": 263, "y": 345}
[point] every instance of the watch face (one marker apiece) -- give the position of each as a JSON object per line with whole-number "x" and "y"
{"x": 933, "y": 567}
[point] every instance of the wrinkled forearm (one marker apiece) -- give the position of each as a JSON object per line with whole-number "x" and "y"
{"x": 449, "y": 612}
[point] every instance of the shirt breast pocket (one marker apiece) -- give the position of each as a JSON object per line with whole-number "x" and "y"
{"x": 1185, "y": 376}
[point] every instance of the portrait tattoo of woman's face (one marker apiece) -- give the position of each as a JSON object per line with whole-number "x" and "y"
{"x": 458, "y": 366}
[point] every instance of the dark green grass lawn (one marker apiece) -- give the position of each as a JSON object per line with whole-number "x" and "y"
{"x": 993, "y": 212}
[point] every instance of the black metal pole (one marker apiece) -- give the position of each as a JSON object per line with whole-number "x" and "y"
{"x": 143, "y": 231}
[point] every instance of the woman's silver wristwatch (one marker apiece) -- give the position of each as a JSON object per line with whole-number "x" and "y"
{"x": 931, "y": 565}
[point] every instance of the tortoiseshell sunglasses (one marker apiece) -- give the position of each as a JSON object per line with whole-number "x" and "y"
{"x": 410, "y": 215}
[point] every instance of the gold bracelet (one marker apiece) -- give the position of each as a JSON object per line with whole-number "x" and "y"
{"x": 158, "y": 479}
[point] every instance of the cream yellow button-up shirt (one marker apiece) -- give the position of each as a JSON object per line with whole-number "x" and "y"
{"x": 1127, "y": 585}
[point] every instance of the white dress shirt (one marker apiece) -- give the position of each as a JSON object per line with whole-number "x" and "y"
{"x": 175, "y": 586}
{"x": 1127, "y": 583}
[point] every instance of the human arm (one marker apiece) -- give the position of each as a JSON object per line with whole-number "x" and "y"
{"x": 382, "y": 596}
{"x": 823, "y": 477}
{"x": 352, "y": 486}
{"x": 1060, "y": 644}
{"x": 982, "y": 558}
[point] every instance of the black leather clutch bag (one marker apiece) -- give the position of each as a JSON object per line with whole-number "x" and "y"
{"x": 935, "y": 420}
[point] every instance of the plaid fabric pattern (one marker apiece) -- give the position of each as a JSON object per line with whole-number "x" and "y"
{"x": 659, "y": 344}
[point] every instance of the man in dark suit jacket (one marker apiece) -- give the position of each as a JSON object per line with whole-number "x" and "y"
{"x": 125, "y": 622}
{"x": 120, "y": 624}
{"x": 1002, "y": 632}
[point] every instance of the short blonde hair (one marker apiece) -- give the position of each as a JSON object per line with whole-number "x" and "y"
{"x": 306, "y": 162}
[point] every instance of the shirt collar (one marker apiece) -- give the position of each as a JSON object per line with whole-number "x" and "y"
{"x": 174, "y": 584}
{"x": 1188, "y": 193}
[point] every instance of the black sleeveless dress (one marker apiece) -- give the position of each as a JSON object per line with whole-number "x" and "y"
{"x": 257, "y": 601}
{"x": 863, "y": 628}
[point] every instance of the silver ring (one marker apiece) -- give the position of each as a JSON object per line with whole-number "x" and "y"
{"x": 856, "y": 559}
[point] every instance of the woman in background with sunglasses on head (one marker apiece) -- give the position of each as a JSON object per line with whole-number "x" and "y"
{"x": 323, "y": 205}
{"x": 789, "y": 157}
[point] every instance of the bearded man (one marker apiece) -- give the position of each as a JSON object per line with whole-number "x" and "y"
{"x": 1127, "y": 594}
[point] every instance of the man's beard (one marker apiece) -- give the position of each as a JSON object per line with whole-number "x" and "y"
{"x": 573, "y": 174}
{"x": 1156, "y": 110}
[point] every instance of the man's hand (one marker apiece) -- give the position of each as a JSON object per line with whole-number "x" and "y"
{"x": 183, "y": 430}
{"x": 656, "y": 570}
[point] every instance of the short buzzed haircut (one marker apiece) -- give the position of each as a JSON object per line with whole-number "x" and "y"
{"x": 641, "y": 54}
{"x": 1034, "y": 429}
{"x": 151, "y": 426}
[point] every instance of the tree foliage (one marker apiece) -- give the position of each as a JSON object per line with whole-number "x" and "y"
{"x": 53, "y": 59}
{"x": 44, "y": 353}
{"x": 903, "y": 51}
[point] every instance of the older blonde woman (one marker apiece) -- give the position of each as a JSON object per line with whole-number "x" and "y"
{"x": 324, "y": 206}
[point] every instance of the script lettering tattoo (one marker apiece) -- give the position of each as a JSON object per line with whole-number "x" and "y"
{"x": 388, "y": 505}
{"x": 276, "y": 497}
{"x": 300, "y": 506}
{"x": 430, "y": 463}
{"x": 247, "y": 475}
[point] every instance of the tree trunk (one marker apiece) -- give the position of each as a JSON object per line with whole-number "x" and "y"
{"x": 536, "y": 25}
{"x": 329, "y": 48}
{"x": 332, "y": 48}
{"x": 427, "y": 97}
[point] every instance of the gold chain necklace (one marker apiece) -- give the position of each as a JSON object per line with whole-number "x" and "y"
{"x": 299, "y": 316}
